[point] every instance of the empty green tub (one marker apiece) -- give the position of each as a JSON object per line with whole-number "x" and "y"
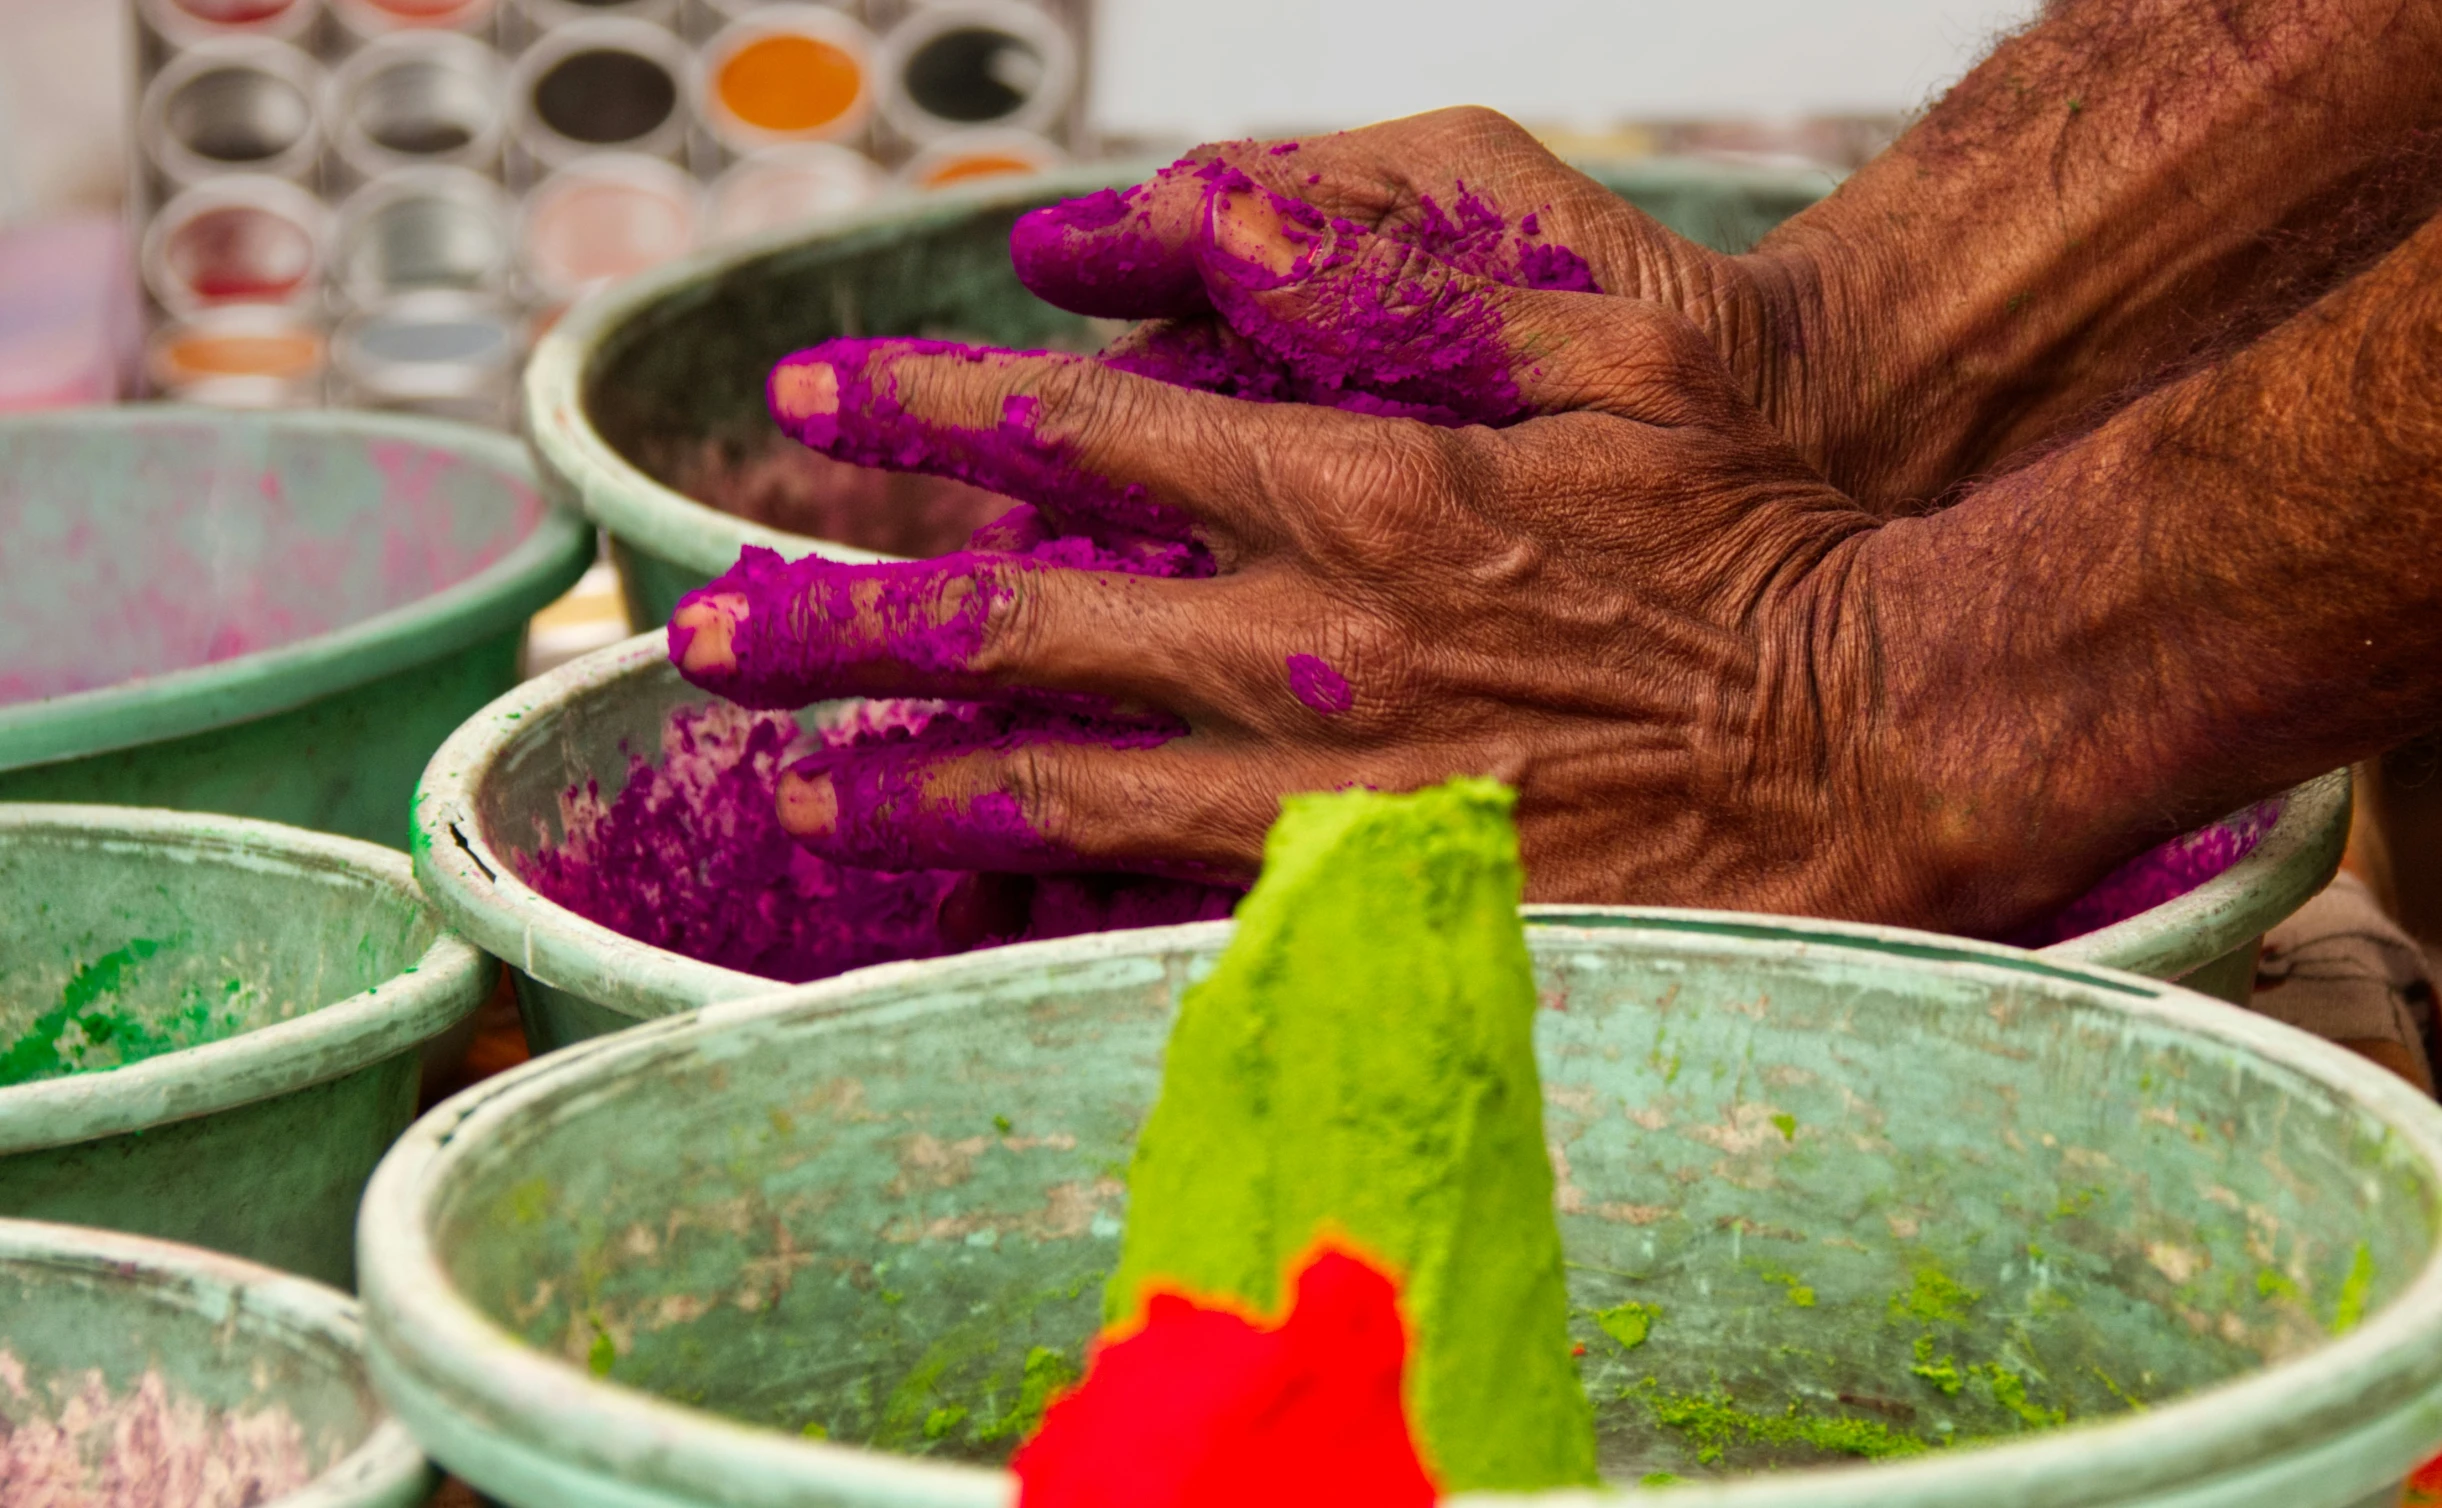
{"x": 497, "y": 784}
{"x": 273, "y": 615}
{"x": 645, "y": 404}
{"x": 268, "y": 991}
{"x": 144, "y": 1370}
{"x": 1919, "y": 1222}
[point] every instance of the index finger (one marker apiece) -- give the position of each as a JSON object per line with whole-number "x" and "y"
{"x": 1128, "y": 454}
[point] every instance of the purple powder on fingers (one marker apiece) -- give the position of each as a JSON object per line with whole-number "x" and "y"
{"x": 1314, "y": 682}
{"x": 869, "y": 425}
{"x": 813, "y": 630}
{"x": 1364, "y": 325}
{"x": 2159, "y": 874}
{"x": 690, "y": 856}
{"x": 1105, "y": 255}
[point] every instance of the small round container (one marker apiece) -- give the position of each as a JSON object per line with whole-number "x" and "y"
{"x": 233, "y": 105}
{"x": 540, "y": 16}
{"x": 973, "y": 155}
{"x": 792, "y": 185}
{"x": 602, "y": 219}
{"x": 590, "y": 86}
{"x": 784, "y": 74}
{"x": 418, "y": 98}
{"x": 450, "y": 355}
{"x": 367, "y": 19}
{"x": 244, "y": 239}
{"x": 186, "y": 22}
{"x": 424, "y": 228}
{"x": 965, "y": 64}
{"x": 241, "y": 356}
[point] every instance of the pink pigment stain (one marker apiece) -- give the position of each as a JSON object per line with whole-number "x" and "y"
{"x": 2157, "y": 876}
{"x": 690, "y": 856}
{"x": 1314, "y": 682}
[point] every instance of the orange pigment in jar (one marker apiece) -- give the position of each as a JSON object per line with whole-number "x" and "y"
{"x": 789, "y": 83}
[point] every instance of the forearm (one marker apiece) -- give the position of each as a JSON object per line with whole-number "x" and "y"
{"x": 2231, "y": 585}
{"x": 2126, "y": 185}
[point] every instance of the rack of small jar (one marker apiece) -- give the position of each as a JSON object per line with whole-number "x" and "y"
{"x": 379, "y": 203}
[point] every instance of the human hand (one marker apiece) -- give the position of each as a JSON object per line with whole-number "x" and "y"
{"x": 1631, "y": 606}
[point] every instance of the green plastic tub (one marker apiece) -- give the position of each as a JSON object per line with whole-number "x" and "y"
{"x": 267, "y": 991}
{"x": 646, "y": 409}
{"x": 144, "y": 1372}
{"x": 497, "y": 784}
{"x": 1915, "y": 1224}
{"x": 271, "y": 615}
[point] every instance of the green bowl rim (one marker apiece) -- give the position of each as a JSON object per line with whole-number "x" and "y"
{"x": 458, "y": 1376}
{"x": 477, "y": 887}
{"x": 387, "y": 1467}
{"x": 199, "y": 698}
{"x": 440, "y": 989}
{"x": 581, "y": 469}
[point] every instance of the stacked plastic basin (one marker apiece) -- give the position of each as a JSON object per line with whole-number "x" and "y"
{"x": 1912, "y": 1223}
{"x": 210, "y": 1028}
{"x": 143, "y": 1372}
{"x": 275, "y": 615}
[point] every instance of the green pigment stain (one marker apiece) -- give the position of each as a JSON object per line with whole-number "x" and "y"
{"x": 1628, "y": 1323}
{"x": 1934, "y": 1297}
{"x": 1942, "y": 1371}
{"x": 2353, "y": 1291}
{"x": 1046, "y": 1373}
{"x": 1787, "y": 1125}
{"x": 1360, "y": 1066}
{"x": 1801, "y": 1294}
{"x": 92, "y": 1028}
{"x": 2010, "y": 1391}
{"x": 1713, "y": 1422}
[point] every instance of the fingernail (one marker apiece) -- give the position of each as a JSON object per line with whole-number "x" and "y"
{"x": 809, "y": 804}
{"x": 804, "y": 399}
{"x": 1252, "y": 226}
{"x": 703, "y": 633}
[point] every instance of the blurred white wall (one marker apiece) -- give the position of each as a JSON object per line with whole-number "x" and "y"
{"x": 64, "y": 66}
{"x": 1197, "y": 69}
{"x": 1216, "y": 68}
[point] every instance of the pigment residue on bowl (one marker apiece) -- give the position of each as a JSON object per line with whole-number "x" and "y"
{"x": 143, "y": 998}
{"x": 690, "y": 856}
{"x": 76, "y": 1443}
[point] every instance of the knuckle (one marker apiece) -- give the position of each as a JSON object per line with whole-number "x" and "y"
{"x": 1040, "y": 781}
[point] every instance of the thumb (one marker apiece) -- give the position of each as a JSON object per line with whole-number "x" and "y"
{"x": 1368, "y": 321}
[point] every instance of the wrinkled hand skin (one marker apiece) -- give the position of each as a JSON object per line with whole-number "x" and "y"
{"x": 1668, "y": 590}
{"x": 2122, "y": 191}
{"x": 1629, "y": 610}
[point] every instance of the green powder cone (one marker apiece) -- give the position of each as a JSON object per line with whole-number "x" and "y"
{"x": 1361, "y": 1066}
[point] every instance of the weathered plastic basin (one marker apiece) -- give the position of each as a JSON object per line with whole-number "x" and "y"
{"x": 307, "y": 970}
{"x": 650, "y": 395}
{"x": 636, "y": 1272}
{"x": 498, "y": 782}
{"x": 213, "y": 1367}
{"x": 273, "y": 615}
